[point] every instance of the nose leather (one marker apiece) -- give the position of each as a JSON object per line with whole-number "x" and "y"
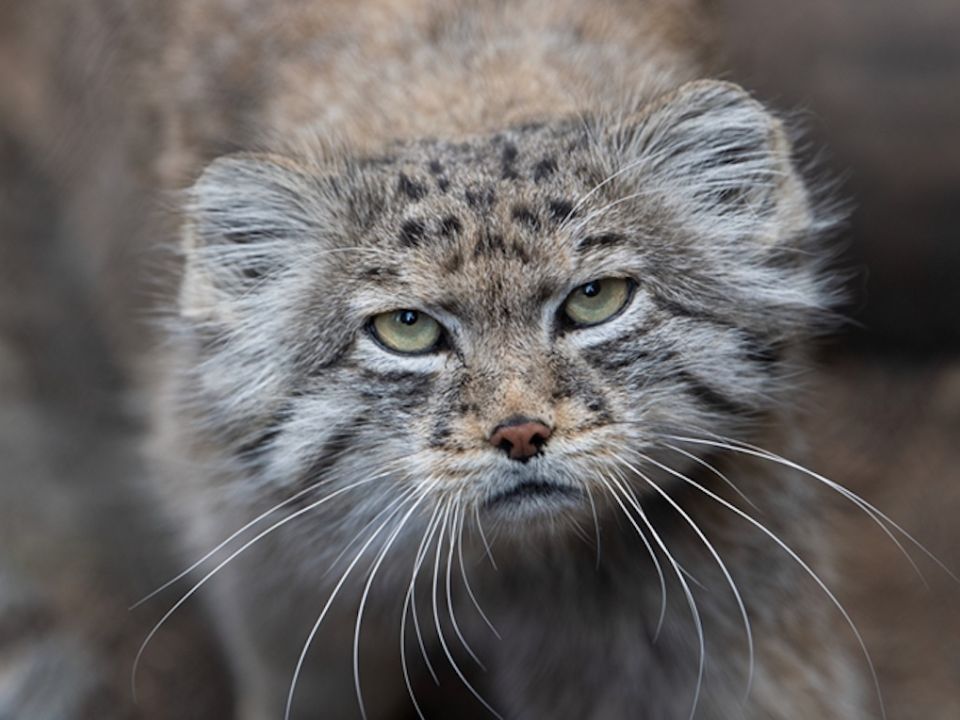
{"x": 520, "y": 438}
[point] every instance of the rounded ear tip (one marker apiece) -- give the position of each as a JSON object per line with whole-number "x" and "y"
{"x": 242, "y": 164}
{"x": 721, "y": 92}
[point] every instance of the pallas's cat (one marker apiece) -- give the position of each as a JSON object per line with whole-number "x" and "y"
{"x": 482, "y": 368}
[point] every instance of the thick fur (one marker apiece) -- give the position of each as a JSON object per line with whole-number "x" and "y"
{"x": 478, "y": 162}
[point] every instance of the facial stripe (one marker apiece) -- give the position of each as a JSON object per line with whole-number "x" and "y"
{"x": 337, "y": 443}
{"x": 254, "y": 450}
{"x": 716, "y": 400}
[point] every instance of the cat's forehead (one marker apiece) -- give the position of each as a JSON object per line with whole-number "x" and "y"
{"x": 489, "y": 215}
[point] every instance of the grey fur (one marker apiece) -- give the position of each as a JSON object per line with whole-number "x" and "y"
{"x": 278, "y": 385}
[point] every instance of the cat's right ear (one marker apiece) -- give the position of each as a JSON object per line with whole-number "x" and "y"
{"x": 712, "y": 151}
{"x": 244, "y": 217}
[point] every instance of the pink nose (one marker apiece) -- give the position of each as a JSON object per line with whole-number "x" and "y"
{"x": 520, "y": 438}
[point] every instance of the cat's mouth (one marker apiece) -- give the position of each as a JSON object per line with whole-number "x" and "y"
{"x": 527, "y": 491}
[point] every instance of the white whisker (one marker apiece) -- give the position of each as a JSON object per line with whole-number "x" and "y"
{"x": 427, "y": 533}
{"x": 808, "y": 570}
{"x": 227, "y": 541}
{"x": 224, "y": 563}
{"x": 691, "y": 602}
{"x": 653, "y": 556}
{"x": 323, "y": 613}
{"x": 703, "y": 463}
{"x": 713, "y": 551}
{"x": 366, "y": 591}
{"x": 871, "y": 511}
{"x": 596, "y": 522}
{"x": 466, "y": 582}
{"x": 483, "y": 536}
{"x": 454, "y": 524}
{"x": 436, "y": 619}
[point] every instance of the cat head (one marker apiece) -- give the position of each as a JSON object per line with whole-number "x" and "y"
{"x": 508, "y": 322}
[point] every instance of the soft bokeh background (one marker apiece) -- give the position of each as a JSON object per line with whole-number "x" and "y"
{"x": 876, "y": 82}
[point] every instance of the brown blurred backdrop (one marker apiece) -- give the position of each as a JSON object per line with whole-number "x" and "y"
{"x": 877, "y": 84}
{"x": 880, "y": 83}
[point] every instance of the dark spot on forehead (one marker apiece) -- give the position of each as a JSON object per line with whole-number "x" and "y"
{"x": 543, "y": 292}
{"x": 578, "y": 143}
{"x": 489, "y": 244}
{"x": 412, "y": 232}
{"x": 380, "y": 161}
{"x": 450, "y": 226}
{"x": 560, "y": 210}
{"x": 411, "y": 188}
{"x": 525, "y": 216}
{"x": 453, "y": 262}
{"x": 480, "y": 198}
{"x": 599, "y": 239}
{"x": 508, "y": 158}
{"x": 544, "y": 169}
{"x": 530, "y": 127}
{"x": 435, "y": 167}
{"x": 243, "y": 237}
{"x": 379, "y": 272}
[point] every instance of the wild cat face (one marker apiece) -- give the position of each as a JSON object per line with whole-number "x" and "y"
{"x": 510, "y": 321}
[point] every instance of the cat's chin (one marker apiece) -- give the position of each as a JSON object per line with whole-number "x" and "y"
{"x": 531, "y": 498}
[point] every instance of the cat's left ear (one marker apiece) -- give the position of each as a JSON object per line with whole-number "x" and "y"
{"x": 720, "y": 158}
{"x": 246, "y": 218}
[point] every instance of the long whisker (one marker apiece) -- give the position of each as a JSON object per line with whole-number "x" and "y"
{"x": 366, "y": 592}
{"x": 373, "y": 521}
{"x": 703, "y": 463}
{"x": 326, "y": 608}
{"x": 586, "y": 220}
{"x": 227, "y": 541}
{"x": 806, "y": 568}
{"x": 225, "y": 562}
{"x": 427, "y": 533}
{"x": 466, "y": 582}
{"x": 259, "y": 518}
{"x": 871, "y": 511}
{"x": 596, "y": 522}
{"x": 691, "y": 602}
{"x": 653, "y": 556}
{"x": 436, "y": 619}
{"x": 412, "y": 593}
{"x": 713, "y": 551}
{"x": 483, "y": 536}
{"x": 454, "y": 524}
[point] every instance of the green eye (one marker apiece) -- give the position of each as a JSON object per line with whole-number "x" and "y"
{"x": 597, "y": 301}
{"x": 406, "y": 331}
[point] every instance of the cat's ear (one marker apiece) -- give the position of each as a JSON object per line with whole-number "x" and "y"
{"x": 244, "y": 217}
{"x": 720, "y": 158}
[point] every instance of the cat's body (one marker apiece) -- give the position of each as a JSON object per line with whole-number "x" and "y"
{"x": 446, "y": 157}
{"x": 481, "y": 163}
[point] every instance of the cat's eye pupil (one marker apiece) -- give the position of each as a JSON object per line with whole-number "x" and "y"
{"x": 408, "y": 317}
{"x": 597, "y": 301}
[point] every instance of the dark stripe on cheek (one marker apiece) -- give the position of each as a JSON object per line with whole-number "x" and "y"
{"x": 337, "y": 444}
{"x": 762, "y": 352}
{"x": 629, "y": 349}
{"x": 412, "y": 232}
{"x": 678, "y": 309}
{"x": 714, "y": 399}
{"x": 254, "y": 450}
{"x": 401, "y": 386}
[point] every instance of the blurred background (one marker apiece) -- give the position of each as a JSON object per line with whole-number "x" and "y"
{"x": 875, "y": 82}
